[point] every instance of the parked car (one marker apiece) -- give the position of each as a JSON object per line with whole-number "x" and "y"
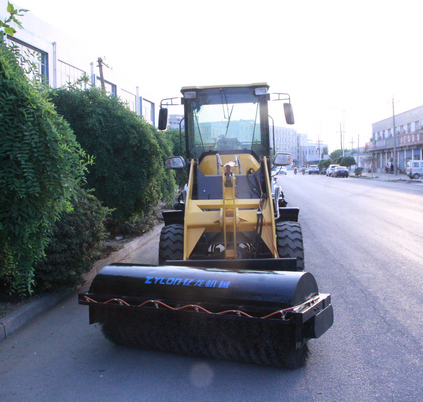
{"x": 414, "y": 169}
{"x": 313, "y": 169}
{"x": 330, "y": 169}
{"x": 340, "y": 171}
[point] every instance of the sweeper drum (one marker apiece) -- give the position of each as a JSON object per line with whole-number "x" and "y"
{"x": 253, "y": 317}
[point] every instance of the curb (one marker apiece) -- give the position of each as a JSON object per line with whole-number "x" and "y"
{"x": 22, "y": 316}
{"x": 12, "y": 322}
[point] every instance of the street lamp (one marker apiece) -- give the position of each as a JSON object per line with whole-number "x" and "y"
{"x": 395, "y": 139}
{"x": 341, "y": 128}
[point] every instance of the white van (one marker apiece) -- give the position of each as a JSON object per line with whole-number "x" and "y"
{"x": 414, "y": 169}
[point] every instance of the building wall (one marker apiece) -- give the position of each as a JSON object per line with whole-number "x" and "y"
{"x": 175, "y": 119}
{"x": 408, "y": 140}
{"x": 64, "y": 60}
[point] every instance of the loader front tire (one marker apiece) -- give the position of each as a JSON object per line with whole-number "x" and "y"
{"x": 290, "y": 242}
{"x": 171, "y": 245}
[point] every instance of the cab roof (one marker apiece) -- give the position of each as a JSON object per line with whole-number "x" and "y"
{"x": 255, "y": 85}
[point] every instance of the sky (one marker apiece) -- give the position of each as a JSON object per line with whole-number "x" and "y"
{"x": 341, "y": 61}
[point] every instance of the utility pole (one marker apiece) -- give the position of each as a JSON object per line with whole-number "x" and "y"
{"x": 358, "y": 150}
{"x": 340, "y": 131}
{"x": 318, "y": 146}
{"x": 101, "y": 63}
{"x": 352, "y": 145}
{"x": 395, "y": 139}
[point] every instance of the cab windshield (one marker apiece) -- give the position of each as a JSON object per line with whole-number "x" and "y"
{"x": 220, "y": 121}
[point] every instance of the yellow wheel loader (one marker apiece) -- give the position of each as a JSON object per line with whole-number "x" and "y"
{"x": 230, "y": 282}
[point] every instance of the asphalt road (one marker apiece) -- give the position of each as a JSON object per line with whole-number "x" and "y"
{"x": 363, "y": 242}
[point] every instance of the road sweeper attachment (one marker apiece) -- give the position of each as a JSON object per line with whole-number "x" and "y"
{"x": 230, "y": 282}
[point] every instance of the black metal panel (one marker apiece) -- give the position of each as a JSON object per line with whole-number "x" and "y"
{"x": 211, "y": 287}
{"x": 264, "y": 264}
{"x": 173, "y": 217}
{"x": 288, "y": 214}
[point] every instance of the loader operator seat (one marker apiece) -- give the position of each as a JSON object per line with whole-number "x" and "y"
{"x": 209, "y": 186}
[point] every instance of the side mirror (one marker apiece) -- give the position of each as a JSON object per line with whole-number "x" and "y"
{"x": 175, "y": 162}
{"x": 163, "y": 119}
{"x": 289, "y": 113}
{"x": 282, "y": 159}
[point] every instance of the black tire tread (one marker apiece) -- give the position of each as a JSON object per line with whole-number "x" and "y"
{"x": 290, "y": 242}
{"x": 171, "y": 246}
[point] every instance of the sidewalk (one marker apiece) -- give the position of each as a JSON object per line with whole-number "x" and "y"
{"x": 22, "y": 316}
{"x": 387, "y": 177}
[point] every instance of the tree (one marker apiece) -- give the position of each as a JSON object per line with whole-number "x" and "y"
{"x": 324, "y": 163}
{"x": 335, "y": 155}
{"x": 41, "y": 167}
{"x": 347, "y": 161}
{"x": 13, "y": 13}
{"x": 325, "y": 151}
{"x": 128, "y": 174}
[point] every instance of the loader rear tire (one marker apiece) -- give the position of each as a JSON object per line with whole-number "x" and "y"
{"x": 171, "y": 245}
{"x": 290, "y": 242}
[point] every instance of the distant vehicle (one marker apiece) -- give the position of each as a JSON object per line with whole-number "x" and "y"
{"x": 330, "y": 169}
{"x": 313, "y": 169}
{"x": 340, "y": 171}
{"x": 279, "y": 170}
{"x": 323, "y": 170}
{"x": 414, "y": 169}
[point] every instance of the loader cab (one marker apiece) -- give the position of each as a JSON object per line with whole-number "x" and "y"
{"x": 231, "y": 119}
{"x": 226, "y": 120}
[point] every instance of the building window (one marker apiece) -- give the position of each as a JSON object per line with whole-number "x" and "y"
{"x": 67, "y": 74}
{"x": 110, "y": 88}
{"x": 147, "y": 111}
{"x": 129, "y": 99}
{"x": 31, "y": 57}
{"x": 416, "y": 155}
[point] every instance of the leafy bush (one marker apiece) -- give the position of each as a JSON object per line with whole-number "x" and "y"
{"x": 324, "y": 163}
{"x": 178, "y": 149}
{"x": 358, "y": 171}
{"x": 76, "y": 240}
{"x": 347, "y": 161}
{"x": 167, "y": 177}
{"x": 41, "y": 166}
{"x": 128, "y": 175}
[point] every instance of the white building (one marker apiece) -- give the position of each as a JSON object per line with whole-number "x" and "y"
{"x": 285, "y": 139}
{"x": 303, "y": 151}
{"x": 408, "y": 139}
{"x": 61, "y": 61}
{"x": 175, "y": 120}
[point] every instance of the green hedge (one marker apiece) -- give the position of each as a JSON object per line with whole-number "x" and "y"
{"x": 41, "y": 165}
{"x": 75, "y": 242}
{"x": 128, "y": 174}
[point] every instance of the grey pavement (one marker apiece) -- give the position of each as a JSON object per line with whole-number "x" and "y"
{"x": 22, "y": 316}
{"x": 12, "y": 322}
